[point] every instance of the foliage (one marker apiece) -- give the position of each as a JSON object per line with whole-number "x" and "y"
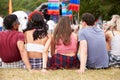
{"x": 3, "y": 7}
{"x": 103, "y": 8}
{"x": 25, "y": 5}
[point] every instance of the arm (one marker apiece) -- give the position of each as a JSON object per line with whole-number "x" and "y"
{"x": 52, "y": 47}
{"x": 83, "y": 50}
{"x": 23, "y": 53}
{"x": 108, "y": 40}
{"x": 76, "y": 38}
{"x": 83, "y": 55}
{"x": 45, "y": 53}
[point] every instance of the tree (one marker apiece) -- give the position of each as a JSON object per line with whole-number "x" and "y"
{"x": 24, "y": 5}
{"x": 104, "y": 8}
{"x": 3, "y": 7}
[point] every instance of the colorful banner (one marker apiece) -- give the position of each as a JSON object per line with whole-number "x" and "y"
{"x": 65, "y": 0}
{"x": 65, "y": 11}
{"x": 53, "y": 0}
{"x": 53, "y": 7}
{"x": 74, "y": 5}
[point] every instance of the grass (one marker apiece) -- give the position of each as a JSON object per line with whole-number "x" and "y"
{"x": 20, "y": 74}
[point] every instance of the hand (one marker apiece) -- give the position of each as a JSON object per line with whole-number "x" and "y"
{"x": 44, "y": 71}
{"x": 29, "y": 70}
{"x": 33, "y": 70}
{"x": 81, "y": 71}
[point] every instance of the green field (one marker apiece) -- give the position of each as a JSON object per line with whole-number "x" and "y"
{"x": 20, "y": 74}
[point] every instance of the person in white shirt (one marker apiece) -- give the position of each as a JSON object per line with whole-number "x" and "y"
{"x": 51, "y": 25}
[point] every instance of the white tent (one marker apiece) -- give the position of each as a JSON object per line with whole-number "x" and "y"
{"x": 23, "y": 19}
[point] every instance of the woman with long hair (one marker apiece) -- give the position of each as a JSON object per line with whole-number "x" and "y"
{"x": 37, "y": 40}
{"x": 113, "y": 42}
{"x": 64, "y": 46}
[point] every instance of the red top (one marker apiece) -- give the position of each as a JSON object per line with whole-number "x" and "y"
{"x": 61, "y": 48}
{"x": 8, "y": 45}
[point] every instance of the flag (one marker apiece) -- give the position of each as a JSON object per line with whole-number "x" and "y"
{"x": 65, "y": 11}
{"x": 53, "y": 0}
{"x": 74, "y": 5}
{"x": 53, "y": 7}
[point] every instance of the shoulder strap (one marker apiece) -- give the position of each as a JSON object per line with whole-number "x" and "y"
{"x": 113, "y": 33}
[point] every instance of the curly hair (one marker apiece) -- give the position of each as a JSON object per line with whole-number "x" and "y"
{"x": 9, "y": 20}
{"x": 36, "y": 21}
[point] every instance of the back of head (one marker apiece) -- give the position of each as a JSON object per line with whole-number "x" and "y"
{"x": 111, "y": 25}
{"x": 9, "y": 20}
{"x": 88, "y": 18}
{"x": 36, "y": 21}
{"x": 63, "y": 30}
{"x": 118, "y": 23}
{"x": 114, "y": 18}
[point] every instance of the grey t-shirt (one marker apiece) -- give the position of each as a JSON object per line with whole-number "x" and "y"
{"x": 96, "y": 44}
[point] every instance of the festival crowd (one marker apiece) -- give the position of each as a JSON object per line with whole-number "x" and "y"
{"x": 38, "y": 47}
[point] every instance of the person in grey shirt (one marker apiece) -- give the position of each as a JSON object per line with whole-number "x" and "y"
{"x": 93, "y": 52}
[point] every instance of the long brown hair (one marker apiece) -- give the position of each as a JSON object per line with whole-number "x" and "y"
{"x": 62, "y": 31}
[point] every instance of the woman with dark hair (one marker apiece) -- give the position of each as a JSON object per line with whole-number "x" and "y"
{"x": 64, "y": 46}
{"x": 37, "y": 40}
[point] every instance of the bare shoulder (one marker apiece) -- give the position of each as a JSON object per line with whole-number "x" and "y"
{"x": 25, "y": 32}
{"x": 49, "y": 36}
{"x": 75, "y": 35}
{"x": 29, "y": 32}
{"x": 118, "y": 32}
{"x": 108, "y": 33}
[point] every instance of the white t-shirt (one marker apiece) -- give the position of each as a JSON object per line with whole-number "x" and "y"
{"x": 51, "y": 24}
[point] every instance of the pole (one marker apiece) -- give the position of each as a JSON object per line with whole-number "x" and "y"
{"x": 78, "y": 17}
{"x": 10, "y": 6}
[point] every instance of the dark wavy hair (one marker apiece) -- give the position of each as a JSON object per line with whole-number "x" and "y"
{"x": 9, "y": 20}
{"x": 36, "y": 21}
